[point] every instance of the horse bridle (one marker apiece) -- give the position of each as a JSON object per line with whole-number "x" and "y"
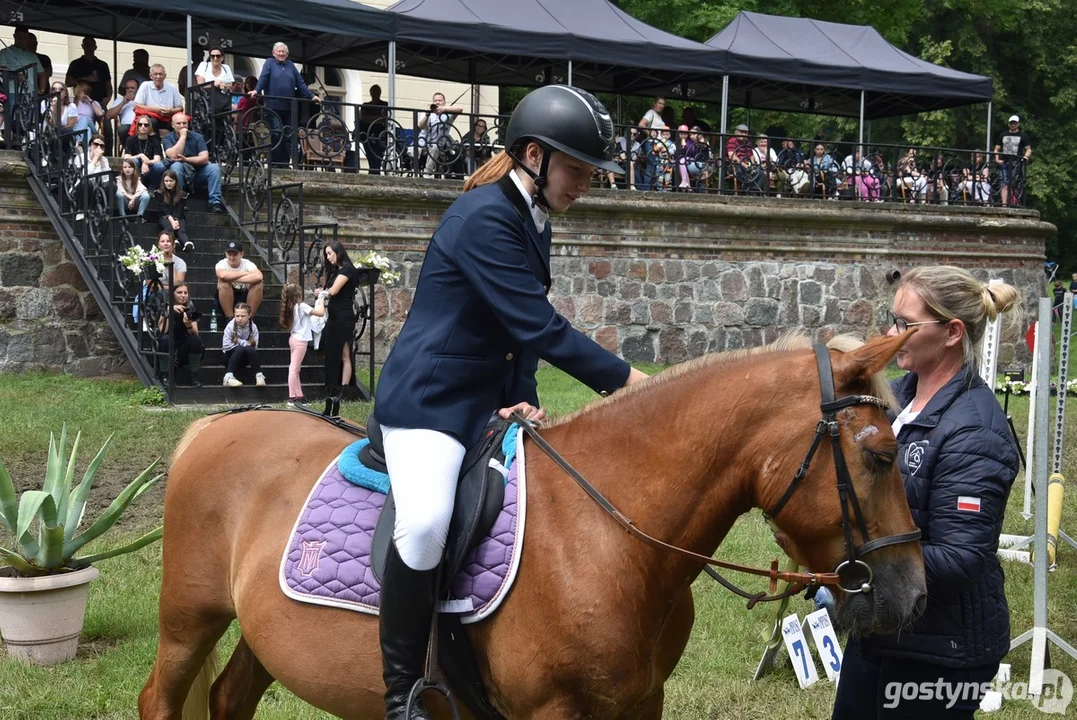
{"x": 852, "y": 575}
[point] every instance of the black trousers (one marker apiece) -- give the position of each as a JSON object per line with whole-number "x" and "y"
{"x": 240, "y": 357}
{"x": 895, "y": 688}
{"x": 181, "y": 234}
{"x": 188, "y": 352}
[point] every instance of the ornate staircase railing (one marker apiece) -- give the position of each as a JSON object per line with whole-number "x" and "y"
{"x": 79, "y": 202}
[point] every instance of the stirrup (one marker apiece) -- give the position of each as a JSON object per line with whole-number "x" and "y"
{"x": 429, "y": 683}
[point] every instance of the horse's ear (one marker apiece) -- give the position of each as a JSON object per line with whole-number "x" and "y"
{"x": 868, "y": 359}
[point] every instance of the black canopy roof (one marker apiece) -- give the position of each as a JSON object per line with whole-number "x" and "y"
{"x": 243, "y": 27}
{"x": 805, "y": 65}
{"x": 529, "y": 43}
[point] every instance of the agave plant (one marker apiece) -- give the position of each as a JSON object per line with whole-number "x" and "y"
{"x": 56, "y": 512}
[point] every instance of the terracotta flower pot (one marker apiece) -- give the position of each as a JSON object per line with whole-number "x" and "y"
{"x": 41, "y": 617}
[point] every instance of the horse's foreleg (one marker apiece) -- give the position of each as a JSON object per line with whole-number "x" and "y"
{"x": 182, "y": 648}
{"x": 240, "y": 687}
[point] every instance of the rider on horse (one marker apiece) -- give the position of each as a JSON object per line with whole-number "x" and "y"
{"x": 479, "y": 323}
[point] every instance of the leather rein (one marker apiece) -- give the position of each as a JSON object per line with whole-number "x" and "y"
{"x": 841, "y": 577}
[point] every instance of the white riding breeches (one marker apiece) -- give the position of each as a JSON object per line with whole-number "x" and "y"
{"x": 424, "y": 466}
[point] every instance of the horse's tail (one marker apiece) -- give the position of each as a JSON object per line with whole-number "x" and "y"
{"x": 196, "y": 706}
{"x": 191, "y": 433}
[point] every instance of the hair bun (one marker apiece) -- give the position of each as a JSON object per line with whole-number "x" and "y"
{"x": 998, "y": 298}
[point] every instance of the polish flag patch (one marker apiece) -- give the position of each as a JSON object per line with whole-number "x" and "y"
{"x": 968, "y": 504}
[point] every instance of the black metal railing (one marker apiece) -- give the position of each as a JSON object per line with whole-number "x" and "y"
{"x": 743, "y": 164}
{"x": 18, "y": 94}
{"x": 349, "y": 137}
{"x": 77, "y": 189}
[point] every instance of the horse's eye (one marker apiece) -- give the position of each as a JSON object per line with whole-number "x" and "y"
{"x": 883, "y": 458}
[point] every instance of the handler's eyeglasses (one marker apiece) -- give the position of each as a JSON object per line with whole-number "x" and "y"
{"x": 902, "y": 324}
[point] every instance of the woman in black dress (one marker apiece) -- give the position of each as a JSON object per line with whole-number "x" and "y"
{"x": 340, "y": 325}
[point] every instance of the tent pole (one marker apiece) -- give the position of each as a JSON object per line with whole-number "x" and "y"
{"x": 861, "y": 122}
{"x": 190, "y": 54}
{"x": 472, "y": 76}
{"x": 987, "y": 148}
{"x": 569, "y": 72}
{"x": 619, "y": 108}
{"x": 725, "y": 102}
{"x": 392, "y": 73}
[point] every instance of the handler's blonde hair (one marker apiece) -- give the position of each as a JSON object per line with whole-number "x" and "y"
{"x": 953, "y": 293}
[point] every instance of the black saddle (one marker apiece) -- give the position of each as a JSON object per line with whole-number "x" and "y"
{"x": 480, "y": 494}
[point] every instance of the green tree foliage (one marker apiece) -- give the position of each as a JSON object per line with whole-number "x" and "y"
{"x": 1029, "y": 47}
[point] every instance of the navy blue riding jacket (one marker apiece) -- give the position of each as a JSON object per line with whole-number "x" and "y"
{"x": 959, "y": 459}
{"x": 480, "y": 320}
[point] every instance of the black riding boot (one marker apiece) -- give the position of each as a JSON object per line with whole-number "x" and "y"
{"x": 332, "y": 402}
{"x": 407, "y": 609}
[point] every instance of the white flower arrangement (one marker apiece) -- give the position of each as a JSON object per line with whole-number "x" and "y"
{"x": 1016, "y": 387}
{"x": 135, "y": 259}
{"x": 380, "y": 262}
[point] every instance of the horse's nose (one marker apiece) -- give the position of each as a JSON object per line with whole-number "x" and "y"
{"x": 920, "y": 605}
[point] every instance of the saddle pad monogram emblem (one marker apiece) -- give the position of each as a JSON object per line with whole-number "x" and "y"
{"x": 310, "y": 560}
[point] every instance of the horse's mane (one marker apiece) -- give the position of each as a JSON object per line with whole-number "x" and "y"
{"x": 796, "y": 340}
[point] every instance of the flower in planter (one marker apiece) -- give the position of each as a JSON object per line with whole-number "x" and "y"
{"x": 135, "y": 259}
{"x": 371, "y": 259}
{"x": 45, "y": 522}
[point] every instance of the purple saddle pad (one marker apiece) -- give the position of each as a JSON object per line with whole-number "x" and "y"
{"x": 327, "y": 559}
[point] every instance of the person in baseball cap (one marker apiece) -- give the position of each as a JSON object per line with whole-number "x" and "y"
{"x": 1013, "y": 148}
{"x": 238, "y": 280}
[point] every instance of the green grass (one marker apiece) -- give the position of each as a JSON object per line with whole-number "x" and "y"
{"x": 119, "y": 640}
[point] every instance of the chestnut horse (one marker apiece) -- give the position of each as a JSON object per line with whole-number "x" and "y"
{"x": 597, "y": 620}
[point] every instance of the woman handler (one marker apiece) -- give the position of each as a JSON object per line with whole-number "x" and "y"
{"x": 479, "y": 322}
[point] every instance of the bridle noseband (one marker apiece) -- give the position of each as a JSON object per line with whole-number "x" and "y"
{"x": 854, "y": 574}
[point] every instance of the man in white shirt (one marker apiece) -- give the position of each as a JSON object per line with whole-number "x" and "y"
{"x": 648, "y": 162}
{"x": 122, "y": 108}
{"x": 238, "y": 280}
{"x": 159, "y": 99}
{"x": 434, "y": 131}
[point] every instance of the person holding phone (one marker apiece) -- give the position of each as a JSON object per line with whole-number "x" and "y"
{"x": 434, "y": 130}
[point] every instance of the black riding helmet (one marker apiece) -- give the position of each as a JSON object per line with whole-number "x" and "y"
{"x": 564, "y": 118}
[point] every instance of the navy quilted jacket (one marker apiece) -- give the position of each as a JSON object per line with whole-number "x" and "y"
{"x": 958, "y": 459}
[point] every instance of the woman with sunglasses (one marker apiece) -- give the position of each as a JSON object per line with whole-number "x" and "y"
{"x": 144, "y": 148}
{"x": 215, "y": 71}
{"x": 958, "y": 457}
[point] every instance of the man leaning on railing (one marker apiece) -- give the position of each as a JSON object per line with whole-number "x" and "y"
{"x": 279, "y": 82}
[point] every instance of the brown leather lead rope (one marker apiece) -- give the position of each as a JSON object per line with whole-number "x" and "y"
{"x": 803, "y": 580}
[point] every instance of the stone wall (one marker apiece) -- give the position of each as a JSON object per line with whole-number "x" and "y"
{"x": 48, "y": 318}
{"x": 656, "y": 277}
{"x": 666, "y": 277}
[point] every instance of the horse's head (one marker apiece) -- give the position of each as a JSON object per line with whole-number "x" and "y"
{"x": 871, "y": 542}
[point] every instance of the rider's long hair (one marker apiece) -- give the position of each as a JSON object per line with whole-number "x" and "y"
{"x": 498, "y": 167}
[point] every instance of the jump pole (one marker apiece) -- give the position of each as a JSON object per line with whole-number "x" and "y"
{"x": 1040, "y": 634}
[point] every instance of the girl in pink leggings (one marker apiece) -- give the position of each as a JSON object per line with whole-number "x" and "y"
{"x": 295, "y": 316}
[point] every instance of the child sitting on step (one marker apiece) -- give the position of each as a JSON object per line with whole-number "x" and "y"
{"x": 295, "y": 316}
{"x": 170, "y": 206}
{"x": 240, "y": 347}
